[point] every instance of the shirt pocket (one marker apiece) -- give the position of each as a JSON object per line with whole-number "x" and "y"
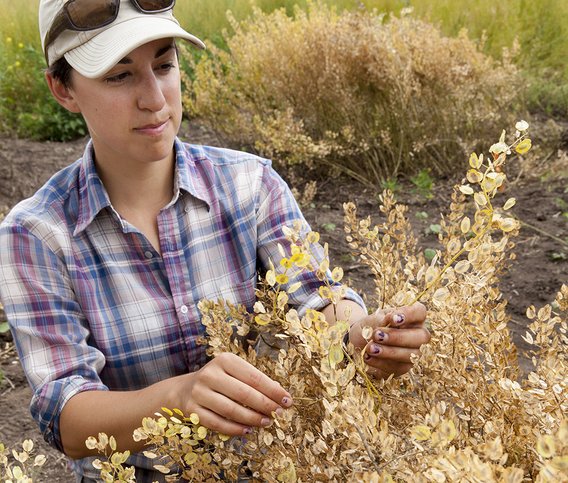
{"x": 237, "y": 293}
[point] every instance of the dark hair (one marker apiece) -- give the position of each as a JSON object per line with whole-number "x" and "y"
{"x": 61, "y": 70}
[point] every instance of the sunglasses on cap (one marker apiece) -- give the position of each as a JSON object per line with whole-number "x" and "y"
{"x": 83, "y": 15}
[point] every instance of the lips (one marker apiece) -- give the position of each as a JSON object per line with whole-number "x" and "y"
{"x": 152, "y": 129}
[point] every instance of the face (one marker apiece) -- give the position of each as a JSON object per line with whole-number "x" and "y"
{"x": 134, "y": 111}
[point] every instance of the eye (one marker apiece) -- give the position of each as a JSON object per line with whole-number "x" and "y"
{"x": 117, "y": 78}
{"x": 167, "y": 66}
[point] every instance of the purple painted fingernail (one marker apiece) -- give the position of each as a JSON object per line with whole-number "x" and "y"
{"x": 398, "y": 318}
{"x": 265, "y": 422}
{"x": 247, "y": 431}
{"x": 286, "y": 401}
{"x": 279, "y": 411}
{"x": 380, "y": 336}
{"x": 375, "y": 349}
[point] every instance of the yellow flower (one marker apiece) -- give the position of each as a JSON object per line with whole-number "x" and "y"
{"x": 282, "y": 278}
{"x": 8, "y": 40}
{"x": 523, "y": 146}
{"x": 20, "y": 45}
{"x": 17, "y": 63}
{"x": 295, "y": 257}
{"x": 286, "y": 263}
{"x": 303, "y": 260}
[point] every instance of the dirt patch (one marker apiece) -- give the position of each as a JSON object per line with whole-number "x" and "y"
{"x": 533, "y": 278}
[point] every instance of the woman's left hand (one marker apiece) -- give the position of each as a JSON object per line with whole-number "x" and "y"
{"x": 396, "y": 335}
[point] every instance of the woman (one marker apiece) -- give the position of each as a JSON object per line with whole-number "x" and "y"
{"x": 102, "y": 269}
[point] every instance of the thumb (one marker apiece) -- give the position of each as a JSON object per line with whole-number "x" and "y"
{"x": 366, "y": 324}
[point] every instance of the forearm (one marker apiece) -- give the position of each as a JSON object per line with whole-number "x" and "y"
{"x": 116, "y": 413}
{"x": 229, "y": 395}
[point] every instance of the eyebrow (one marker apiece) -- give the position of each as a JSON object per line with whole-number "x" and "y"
{"x": 159, "y": 53}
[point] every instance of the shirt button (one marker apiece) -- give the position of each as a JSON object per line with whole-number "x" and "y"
{"x": 187, "y": 209}
{"x": 183, "y": 309}
{"x": 148, "y": 254}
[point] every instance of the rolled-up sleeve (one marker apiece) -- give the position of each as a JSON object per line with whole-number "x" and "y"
{"x": 277, "y": 208}
{"x": 49, "y": 329}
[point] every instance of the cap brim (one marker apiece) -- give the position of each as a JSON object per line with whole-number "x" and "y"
{"x": 101, "y": 53}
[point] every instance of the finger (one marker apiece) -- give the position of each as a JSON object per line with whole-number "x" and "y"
{"x": 384, "y": 352}
{"x": 411, "y": 338}
{"x": 214, "y": 422}
{"x": 247, "y": 396}
{"x": 405, "y": 316}
{"x": 227, "y": 408}
{"x": 251, "y": 376}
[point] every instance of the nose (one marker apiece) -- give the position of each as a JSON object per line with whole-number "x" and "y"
{"x": 150, "y": 94}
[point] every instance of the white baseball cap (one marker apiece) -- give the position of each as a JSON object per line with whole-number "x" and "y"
{"x": 94, "y": 52}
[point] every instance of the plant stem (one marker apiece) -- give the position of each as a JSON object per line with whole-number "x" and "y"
{"x": 542, "y": 232}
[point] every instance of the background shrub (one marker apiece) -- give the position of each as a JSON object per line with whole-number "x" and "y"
{"x": 538, "y": 26}
{"x": 366, "y": 94}
{"x": 27, "y": 109}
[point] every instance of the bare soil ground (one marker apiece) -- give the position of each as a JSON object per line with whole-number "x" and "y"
{"x": 533, "y": 278}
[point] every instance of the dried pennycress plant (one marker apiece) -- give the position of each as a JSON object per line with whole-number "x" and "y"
{"x": 462, "y": 414}
{"x": 111, "y": 469}
{"x": 25, "y": 466}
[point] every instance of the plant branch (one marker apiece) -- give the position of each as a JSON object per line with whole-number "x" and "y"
{"x": 542, "y": 232}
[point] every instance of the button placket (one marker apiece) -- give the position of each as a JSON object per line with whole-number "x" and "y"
{"x": 174, "y": 262}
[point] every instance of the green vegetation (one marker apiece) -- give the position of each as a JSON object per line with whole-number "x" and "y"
{"x": 423, "y": 183}
{"x": 26, "y": 109}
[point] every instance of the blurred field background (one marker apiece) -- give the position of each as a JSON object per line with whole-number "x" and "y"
{"x": 516, "y": 50}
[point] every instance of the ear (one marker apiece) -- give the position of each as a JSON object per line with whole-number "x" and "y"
{"x": 63, "y": 94}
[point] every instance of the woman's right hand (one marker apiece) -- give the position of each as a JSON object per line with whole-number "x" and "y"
{"x": 231, "y": 396}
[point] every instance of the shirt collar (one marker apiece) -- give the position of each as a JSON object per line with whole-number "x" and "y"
{"x": 191, "y": 175}
{"x": 93, "y": 196}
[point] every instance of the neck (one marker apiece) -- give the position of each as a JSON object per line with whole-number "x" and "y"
{"x": 145, "y": 189}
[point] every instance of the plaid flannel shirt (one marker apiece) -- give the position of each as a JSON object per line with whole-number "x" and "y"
{"x": 93, "y": 306}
